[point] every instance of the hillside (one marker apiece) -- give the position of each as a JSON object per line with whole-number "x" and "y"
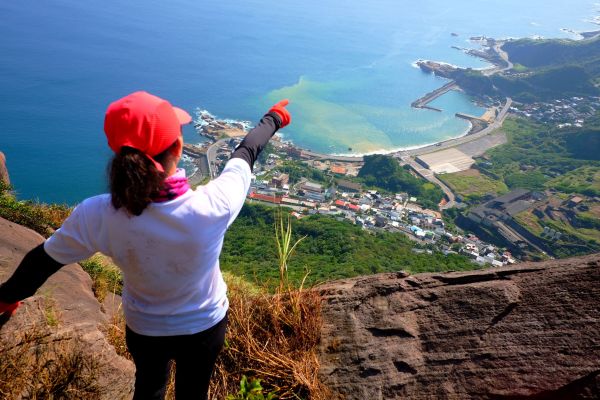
{"x": 560, "y": 164}
{"x": 331, "y": 249}
{"x": 384, "y": 172}
{"x": 543, "y": 70}
{"x": 535, "y": 53}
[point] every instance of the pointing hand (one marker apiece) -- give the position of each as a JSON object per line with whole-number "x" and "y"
{"x": 282, "y": 113}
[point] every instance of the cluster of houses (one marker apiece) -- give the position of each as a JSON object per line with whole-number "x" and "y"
{"x": 563, "y": 113}
{"x": 374, "y": 211}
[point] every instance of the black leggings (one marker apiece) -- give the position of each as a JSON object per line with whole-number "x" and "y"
{"x": 194, "y": 355}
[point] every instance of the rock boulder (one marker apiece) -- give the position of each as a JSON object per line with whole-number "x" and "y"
{"x": 64, "y": 310}
{"x": 530, "y": 331}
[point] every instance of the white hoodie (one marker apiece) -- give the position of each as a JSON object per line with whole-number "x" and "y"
{"x": 169, "y": 255}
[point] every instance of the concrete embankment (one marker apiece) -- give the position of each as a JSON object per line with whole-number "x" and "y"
{"x": 424, "y": 101}
{"x": 199, "y": 160}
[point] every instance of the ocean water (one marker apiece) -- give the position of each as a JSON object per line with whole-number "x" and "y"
{"x": 346, "y": 66}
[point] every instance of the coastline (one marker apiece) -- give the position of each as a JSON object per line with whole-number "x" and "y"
{"x": 491, "y": 52}
{"x": 349, "y": 157}
{"x": 403, "y": 149}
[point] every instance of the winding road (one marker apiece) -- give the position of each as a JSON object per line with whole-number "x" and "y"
{"x": 211, "y": 155}
{"x": 504, "y": 56}
{"x": 430, "y": 176}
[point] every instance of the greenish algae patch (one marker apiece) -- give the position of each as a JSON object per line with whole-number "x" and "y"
{"x": 334, "y": 125}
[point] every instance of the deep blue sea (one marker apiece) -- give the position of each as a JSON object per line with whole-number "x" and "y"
{"x": 346, "y": 66}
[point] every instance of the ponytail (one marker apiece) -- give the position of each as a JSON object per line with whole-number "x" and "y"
{"x": 134, "y": 179}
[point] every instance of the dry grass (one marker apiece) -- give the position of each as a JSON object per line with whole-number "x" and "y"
{"x": 36, "y": 365}
{"x": 272, "y": 338}
{"x": 106, "y": 276}
{"x": 115, "y": 334}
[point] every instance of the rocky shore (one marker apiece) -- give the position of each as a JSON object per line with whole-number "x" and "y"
{"x": 488, "y": 52}
{"x": 209, "y": 126}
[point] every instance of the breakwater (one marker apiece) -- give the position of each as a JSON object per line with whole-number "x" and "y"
{"x": 424, "y": 101}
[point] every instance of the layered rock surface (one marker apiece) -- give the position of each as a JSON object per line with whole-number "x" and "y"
{"x": 66, "y": 311}
{"x": 529, "y": 331}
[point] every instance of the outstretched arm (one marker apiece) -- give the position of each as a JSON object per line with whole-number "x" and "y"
{"x": 229, "y": 190}
{"x": 257, "y": 138}
{"x": 35, "y": 268}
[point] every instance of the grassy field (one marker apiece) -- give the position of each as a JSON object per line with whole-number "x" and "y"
{"x": 530, "y": 222}
{"x": 472, "y": 184}
{"x": 584, "y": 180}
{"x": 594, "y": 211}
{"x": 582, "y": 233}
{"x": 584, "y": 236}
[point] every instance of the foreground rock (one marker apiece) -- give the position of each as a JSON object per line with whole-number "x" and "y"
{"x": 531, "y": 331}
{"x": 63, "y": 313}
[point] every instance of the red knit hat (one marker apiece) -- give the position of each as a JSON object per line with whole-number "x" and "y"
{"x": 145, "y": 122}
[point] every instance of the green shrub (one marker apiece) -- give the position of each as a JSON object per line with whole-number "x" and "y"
{"x": 42, "y": 218}
{"x": 106, "y": 277}
{"x": 251, "y": 390}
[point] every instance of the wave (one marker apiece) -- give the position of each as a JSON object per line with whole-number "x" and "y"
{"x": 200, "y": 113}
{"x": 414, "y": 63}
{"x": 247, "y": 125}
{"x": 203, "y": 117}
{"x": 188, "y": 164}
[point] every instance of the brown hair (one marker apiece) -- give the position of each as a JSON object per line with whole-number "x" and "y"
{"x": 134, "y": 179}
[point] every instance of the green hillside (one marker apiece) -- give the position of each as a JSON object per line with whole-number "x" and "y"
{"x": 385, "y": 172}
{"x": 536, "y": 153}
{"x": 332, "y": 249}
{"x": 536, "y": 53}
{"x": 562, "y": 163}
{"x": 544, "y": 70}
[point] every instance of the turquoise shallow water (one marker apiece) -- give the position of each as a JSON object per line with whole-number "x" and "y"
{"x": 345, "y": 65}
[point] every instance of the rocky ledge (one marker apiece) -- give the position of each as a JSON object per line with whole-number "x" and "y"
{"x": 526, "y": 332}
{"x": 62, "y": 326}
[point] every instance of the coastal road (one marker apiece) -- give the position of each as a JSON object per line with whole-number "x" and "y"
{"x": 504, "y": 56}
{"x": 430, "y": 176}
{"x": 211, "y": 155}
